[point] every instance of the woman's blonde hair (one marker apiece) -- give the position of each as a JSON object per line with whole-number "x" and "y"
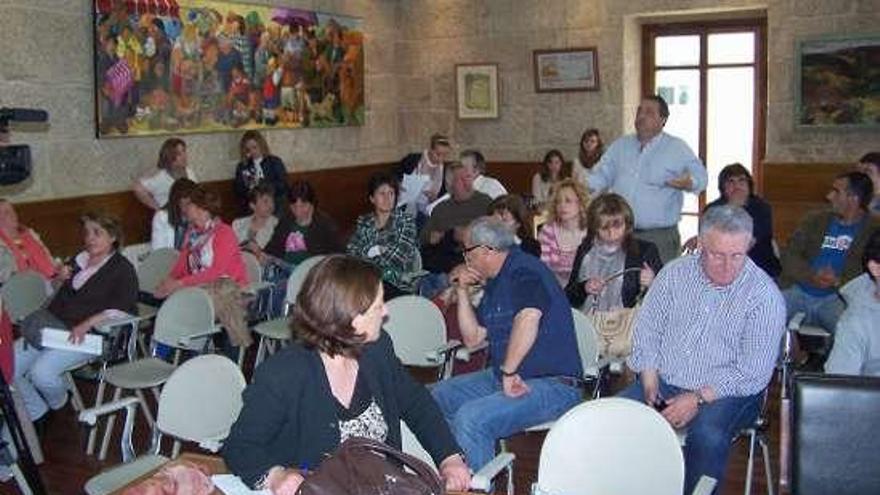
{"x": 583, "y": 197}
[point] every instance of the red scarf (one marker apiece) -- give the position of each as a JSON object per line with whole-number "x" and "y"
{"x": 29, "y": 253}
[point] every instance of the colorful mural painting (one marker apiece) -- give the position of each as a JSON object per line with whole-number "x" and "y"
{"x": 179, "y": 66}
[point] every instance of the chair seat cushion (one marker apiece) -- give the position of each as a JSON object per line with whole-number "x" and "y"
{"x": 143, "y": 373}
{"x": 118, "y": 476}
{"x": 274, "y": 329}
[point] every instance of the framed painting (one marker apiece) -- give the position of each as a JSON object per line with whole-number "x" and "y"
{"x": 476, "y": 91}
{"x": 572, "y": 69}
{"x": 184, "y": 66}
{"x": 837, "y": 82}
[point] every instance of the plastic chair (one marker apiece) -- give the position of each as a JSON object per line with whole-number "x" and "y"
{"x": 184, "y": 322}
{"x": 24, "y": 293}
{"x": 199, "y": 403}
{"x": 480, "y": 480}
{"x": 418, "y": 331}
{"x": 277, "y": 330}
{"x": 615, "y": 446}
{"x": 150, "y": 273}
{"x": 298, "y": 275}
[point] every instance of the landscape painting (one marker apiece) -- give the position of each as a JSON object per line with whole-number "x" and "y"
{"x": 182, "y": 66}
{"x": 839, "y": 82}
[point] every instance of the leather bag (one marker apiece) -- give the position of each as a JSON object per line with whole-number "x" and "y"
{"x": 615, "y": 331}
{"x": 367, "y": 467}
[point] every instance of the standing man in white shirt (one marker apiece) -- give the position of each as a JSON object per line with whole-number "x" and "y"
{"x": 652, "y": 170}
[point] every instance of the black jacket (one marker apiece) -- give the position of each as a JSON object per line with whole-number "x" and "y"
{"x": 639, "y": 252}
{"x": 289, "y": 415}
{"x": 113, "y": 286}
{"x": 274, "y": 173}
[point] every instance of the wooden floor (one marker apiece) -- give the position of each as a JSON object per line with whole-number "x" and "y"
{"x": 67, "y": 468}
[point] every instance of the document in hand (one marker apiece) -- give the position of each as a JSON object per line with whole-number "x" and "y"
{"x": 55, "y": 338}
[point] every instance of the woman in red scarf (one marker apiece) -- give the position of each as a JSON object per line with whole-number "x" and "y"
{"x": 20, "y": 247}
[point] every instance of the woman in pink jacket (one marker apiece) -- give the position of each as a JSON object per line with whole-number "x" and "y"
{"x": 211, "y": 259}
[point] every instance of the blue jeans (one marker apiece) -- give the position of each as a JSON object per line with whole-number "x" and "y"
{"x": 823, "y": 311}
{"x": 39, "y": 376}
{"x": 709, "y": 433}
{"x": 479, "y": 413}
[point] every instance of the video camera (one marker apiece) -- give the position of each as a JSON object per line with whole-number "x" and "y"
{"x": 15, "y": 160}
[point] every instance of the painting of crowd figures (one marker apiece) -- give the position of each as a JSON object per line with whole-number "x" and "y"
{"x": 177, "y": 66}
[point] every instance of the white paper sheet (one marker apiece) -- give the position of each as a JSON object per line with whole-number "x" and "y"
{"x": 54, "y": 338}
{"x": 411, "y": 187}
{"x": 231, "y": 484}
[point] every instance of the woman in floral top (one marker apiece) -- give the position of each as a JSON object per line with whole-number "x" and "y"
{"x": 387, "y": 236}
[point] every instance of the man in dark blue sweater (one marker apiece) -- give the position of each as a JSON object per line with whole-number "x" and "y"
{"x": 533, "y": 360}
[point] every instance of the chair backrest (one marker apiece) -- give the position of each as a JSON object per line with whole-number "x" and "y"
{"x": 835, "y": 446}
{"x": 253, "y": 267}
{"x": 186, "y": 312}
{"x": 416, "y": 326}
{"x": 298, "y": 276}
{"x": 599, "y": 445}
{"x": 588, "y": 345}
{"x": 134, "y": 253}
{"x": 155, "y": 267}
{"x": 201, "y": 400}
{"x": 24, "y": 293}
{"x": 411, "y": 445}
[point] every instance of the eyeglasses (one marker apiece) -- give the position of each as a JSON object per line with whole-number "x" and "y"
{"x": 612, "y": 224}
{"x": 467, "y": 250}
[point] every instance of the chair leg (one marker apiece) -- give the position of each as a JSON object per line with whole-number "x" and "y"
{"x": 753, "y": 434}
{"x": 20, "y": 480}
{"x": 241, "y": 352}
{"x": 145, "y": 407}
{"x": 75, "y": 397}
{"x": 768, "y": 470}
{"x": 108, "y": 429}
{"x": 261, "y": 352}
{"x": 93, "y": 431}
{"x": 27, "y": 427}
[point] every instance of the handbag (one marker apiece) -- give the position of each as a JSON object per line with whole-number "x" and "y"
{"x": 367, "y": 467}
{"x": 615, "y": 331}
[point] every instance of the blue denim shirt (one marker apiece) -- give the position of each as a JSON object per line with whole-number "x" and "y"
{"x": 525, "y": 282}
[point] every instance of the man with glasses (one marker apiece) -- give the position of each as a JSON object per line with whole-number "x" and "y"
{"x": 706, "y": 340}
{"x": 526, "y": 321}
{"x": 825, "y": 251}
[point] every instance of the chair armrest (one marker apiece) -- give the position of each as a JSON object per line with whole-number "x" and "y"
{"x": 105, "y": 325}
{"x": 464, "y": 353}
{"x": 705, "y": 486}
{"x": 796, "y": 321}
{"x": 482, "y": 479}
{"x": 186, "y": 340}
{"x": 90, "y": 415}
{"x": 440, "y": 353}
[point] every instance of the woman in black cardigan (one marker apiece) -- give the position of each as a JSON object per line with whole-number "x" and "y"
{"x": 258, "y": 166}
{"x": 339, "y": 379}
{"x": 100, "y": 284}
{"x": 609, "y": 248}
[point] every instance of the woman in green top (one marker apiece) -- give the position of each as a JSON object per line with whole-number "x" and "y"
{"x": 387, "y": 236}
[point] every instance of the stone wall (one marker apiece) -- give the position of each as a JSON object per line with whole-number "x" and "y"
{"x": 46, "y": 62}
{"x": 412, "y": 47}
{"x": 437, "y": 34}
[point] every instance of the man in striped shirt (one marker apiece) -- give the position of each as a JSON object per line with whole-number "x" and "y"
{"x": 706, "y": 341}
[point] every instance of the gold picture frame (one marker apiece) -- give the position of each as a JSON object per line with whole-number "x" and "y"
{"x": 571, "y": 69}
{"x": 476, "y": 91}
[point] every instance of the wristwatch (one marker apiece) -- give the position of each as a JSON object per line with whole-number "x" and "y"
{"x": 700, "y": 400}
{"x": 507, "y": 373}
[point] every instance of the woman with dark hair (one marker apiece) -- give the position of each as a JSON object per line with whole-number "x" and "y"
{"x": 99, "y": 284}
{"x": 589, "y": 152}
{"x": 307, "y": 231}
{"x": 608, "y": 249}
{"x": 169, "y": 224}
{"x": 257, "y": 166}
{"x": 511, "y": 210}
{"x": 386, "y": 237}
{"x": 553, "y": 169}
{"x": 339, "y": 379}
{"x": 211, "y": 259}
{"x": 736, "y": 187}
{"x": 153, "y": 190}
